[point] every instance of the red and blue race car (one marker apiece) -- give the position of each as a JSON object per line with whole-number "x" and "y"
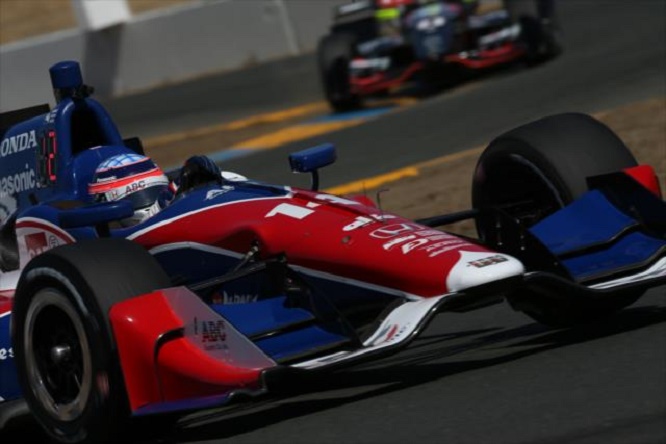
{"x": 376, "y": 46}
{"x": 237, "y": 286}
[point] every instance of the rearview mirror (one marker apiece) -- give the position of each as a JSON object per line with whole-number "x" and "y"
{"x": 311, "y": 159}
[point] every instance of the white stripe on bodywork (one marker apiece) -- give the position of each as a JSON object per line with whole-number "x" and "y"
{"x": 184, "y": 215}
{"x": 54, "y": 236}
{"x": 47, "y": 225}
{"x": 399, "y": 326}
{"x": 401, "y": 322}
{"x": 465, "y": 274}
{"x": 194, "y": 246}
{"x": 655, "y": 271}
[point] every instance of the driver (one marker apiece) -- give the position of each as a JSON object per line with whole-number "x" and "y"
{"x": 137, "y": 178}
{"x": 133, "y": 177}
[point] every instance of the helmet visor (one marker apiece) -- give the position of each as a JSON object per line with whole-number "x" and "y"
{"x": 146, "y": 197}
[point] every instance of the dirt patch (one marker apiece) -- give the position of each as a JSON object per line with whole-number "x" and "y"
{"x": 446, "y": 188}
{"x": 20, "y": 19}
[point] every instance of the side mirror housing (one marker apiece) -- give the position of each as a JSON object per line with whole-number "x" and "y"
{"x": 311, "y": 159}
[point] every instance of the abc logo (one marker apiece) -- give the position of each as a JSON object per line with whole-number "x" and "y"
{"x": 140, "y": 185}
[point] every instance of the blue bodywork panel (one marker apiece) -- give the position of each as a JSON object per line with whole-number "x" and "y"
{"x": 287, "y": 331}
{"x": 295, "y": 344}
{"x": 309, "y": 160}
{"x": 589, "y": 221}
{"x": 263, "y": 316}
{"x": 53, "y": 156}
{"x": 593, "y": 239}
{"x": 9, "y": 388}
{"x": 632, "y": 251}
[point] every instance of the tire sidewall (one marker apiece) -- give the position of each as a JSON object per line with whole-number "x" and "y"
{"x": 334, "y": 53}
{"x": 93, "y": 275}
{"x": 566, "y": 149}
{"x": 563, "y": 151}
{"x": 520, "y": 153}
{"x": 107, "y": 395}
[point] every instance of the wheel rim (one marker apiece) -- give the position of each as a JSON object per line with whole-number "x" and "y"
{"x": 58, "y": 362}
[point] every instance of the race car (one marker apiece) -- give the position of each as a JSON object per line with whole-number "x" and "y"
{"x": 238, "y": 286}
{"x": 376, "y": 46}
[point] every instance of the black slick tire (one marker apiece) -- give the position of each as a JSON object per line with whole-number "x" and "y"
{"x": 65, "y": 350}
{"x": 335, "y": 52}
{"x": 535, "y": 170}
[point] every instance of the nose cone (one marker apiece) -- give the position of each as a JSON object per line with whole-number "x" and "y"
{"x": 477, "y": 268}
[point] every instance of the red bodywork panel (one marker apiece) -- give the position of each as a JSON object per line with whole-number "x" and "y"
{"x": 484, "y": 59}
{"x": 489, "y": 57}
{"x": 645, "y": 175}
{"x": 165, "y": 359}
{"x": 380, "y": 81}
{"x": 415, "y": 259}
{"x": 6, "y": 301}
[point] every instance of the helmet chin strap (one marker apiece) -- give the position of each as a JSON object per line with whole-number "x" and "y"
{"x": 141, "y": 214}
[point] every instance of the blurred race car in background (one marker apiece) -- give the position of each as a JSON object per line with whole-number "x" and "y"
{"x": 237, "y": 286}
{"x": 375, "y": 46}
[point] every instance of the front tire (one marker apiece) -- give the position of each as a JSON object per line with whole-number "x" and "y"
{"x": 532, "y": 172}
{"x": 65, "y": 350}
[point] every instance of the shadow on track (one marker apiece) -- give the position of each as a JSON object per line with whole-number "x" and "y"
{"x": 421, "y": 364}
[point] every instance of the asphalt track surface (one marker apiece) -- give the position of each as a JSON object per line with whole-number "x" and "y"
{"x": 493, "y": 375}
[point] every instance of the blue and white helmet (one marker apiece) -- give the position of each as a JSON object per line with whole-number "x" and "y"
{"x": 133, "y": 177}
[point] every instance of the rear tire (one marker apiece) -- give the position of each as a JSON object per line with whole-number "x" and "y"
{"x": 534, "y": 170}
{"x": 335, "y": 53}
{"x": 66, "y": 354}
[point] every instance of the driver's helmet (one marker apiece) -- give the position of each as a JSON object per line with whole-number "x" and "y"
{"x": 133, "y": 177}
